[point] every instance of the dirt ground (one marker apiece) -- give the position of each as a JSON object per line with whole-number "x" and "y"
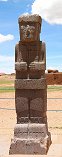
{"x": 8, "y": 118}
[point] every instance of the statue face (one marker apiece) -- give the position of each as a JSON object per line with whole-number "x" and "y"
{"x": 28, "y": 32}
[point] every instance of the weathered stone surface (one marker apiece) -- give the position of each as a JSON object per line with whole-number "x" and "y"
{"x": 29, "y": 102}
{"x": 30, "y": 139}
{"x": 30, "y": 18}
{"x": 31, "y": 58}
{"x": 31, "y": 93}
{"x": 38, "y": 119}
{"x": 29, "y": 27}
{"x": 24, "y": 146}
{"x": 20, "y": 66}
{"x": 24, "y": 120}
{"x": 37, "y": 66}
{"x": 30, "y": 84}
{"x": 31, "y": 130}
{"x": 22, "y": 103}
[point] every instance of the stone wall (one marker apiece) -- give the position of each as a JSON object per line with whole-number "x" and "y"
{"x": 54, "y": 78}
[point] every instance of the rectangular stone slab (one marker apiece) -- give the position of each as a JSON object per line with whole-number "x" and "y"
{"x": 30, "y": 83}
{"x": 30, "y": 130}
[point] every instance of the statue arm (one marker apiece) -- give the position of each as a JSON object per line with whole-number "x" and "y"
{"x": 41, "y": 64}
{"x": 19, "y": 65}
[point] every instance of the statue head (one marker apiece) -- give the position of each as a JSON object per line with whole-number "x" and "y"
{"x": 30, "y": 27}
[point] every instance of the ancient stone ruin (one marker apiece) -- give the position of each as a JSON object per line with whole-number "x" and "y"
{"x": 31, "y": 134}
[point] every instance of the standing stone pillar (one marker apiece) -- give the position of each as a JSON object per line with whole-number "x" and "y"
{"x": 31, "y": 134}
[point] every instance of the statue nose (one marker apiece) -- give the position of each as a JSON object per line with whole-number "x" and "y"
{"x": 28, "y": 34}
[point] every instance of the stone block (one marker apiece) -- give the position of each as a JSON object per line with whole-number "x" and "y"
{"x": 30, "y": 83}
{"x": 23, "y": 146}
{"x": 30, "y": 130}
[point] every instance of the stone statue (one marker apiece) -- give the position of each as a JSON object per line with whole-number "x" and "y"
{"x": 31, "y": 131}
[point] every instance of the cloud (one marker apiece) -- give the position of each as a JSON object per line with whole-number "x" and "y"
{"x": 25, "y": 13}
{"x": 6, "y": 58}
{"x": 4, "y": 38}
{"x": 50, "y": 11}
{"x": 7, "y": 64}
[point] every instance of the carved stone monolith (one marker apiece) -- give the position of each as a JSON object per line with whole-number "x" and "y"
{"x": 31, "y": 134}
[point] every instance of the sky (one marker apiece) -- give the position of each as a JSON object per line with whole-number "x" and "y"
{"x": 51, "y": 30}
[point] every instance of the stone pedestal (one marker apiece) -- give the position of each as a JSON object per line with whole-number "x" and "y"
{"x": 30, "y": 139}
{"x": 31, "y": 134}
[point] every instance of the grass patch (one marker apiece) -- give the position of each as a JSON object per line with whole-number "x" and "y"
{"x": 3, "y": 81}
{"x": 12, "y": 89}
{"x": 54, "y": 88}
{"x": 6, "y": 89}
{"x": 56, "y": 127}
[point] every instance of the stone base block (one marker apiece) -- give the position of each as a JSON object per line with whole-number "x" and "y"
{"x": 30, "y": 83}
{"x": 30, "y": 139}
